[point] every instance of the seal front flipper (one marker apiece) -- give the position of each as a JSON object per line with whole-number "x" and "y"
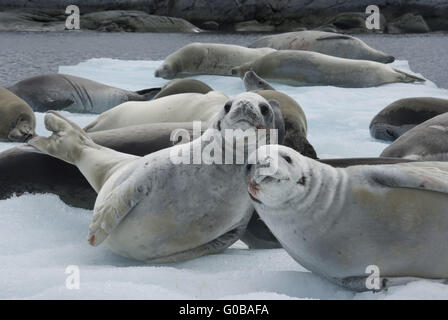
{"x": 215, "y": 246}
{"x": 414, "y": 175}
{"x": 65, "y": 141}
{"x": 108, "y": 213}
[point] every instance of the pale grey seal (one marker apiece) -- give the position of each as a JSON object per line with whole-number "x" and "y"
{"x": 427, "y": 141}
{"x": 336, "y": 222}
{"x": 182, "y": 107}
{"x": 333, "y": 44}
{"x": 306, "y": 68}
{"x": 154, "y": 209}
{"x": 207, "y": 58}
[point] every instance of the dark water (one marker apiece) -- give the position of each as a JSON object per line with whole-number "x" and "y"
{"x": 27, "y": 54}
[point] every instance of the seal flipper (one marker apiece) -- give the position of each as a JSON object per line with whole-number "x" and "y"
{"x": 414, "y": 175}
{"x": 215, "y": 246}
{"x": 407, "y": 77}
{"x": 108, "y": 213}
{"x": 59, "y": 144}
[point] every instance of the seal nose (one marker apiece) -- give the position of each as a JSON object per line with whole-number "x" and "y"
{"x": 248, "y": 109}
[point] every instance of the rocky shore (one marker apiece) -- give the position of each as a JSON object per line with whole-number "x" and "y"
{"x": 397, "y": 16}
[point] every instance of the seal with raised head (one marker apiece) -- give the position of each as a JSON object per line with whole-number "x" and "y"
{"x": 74, "y": 94}
{"x": 306, "y": 68}
{"x": 207, "y": 58}
{"x": 177, "y": 86}
{"x": 156, "y": 209}
{"x": 182, "y": 107}
{"x": 427, "y": 141}
{"x": 403, "y": 115}
{"x": 333, "y": 44}
{"x": 338, "y": 221}
{"x": 253, "y": 82}
{"x": 17, "y": 120}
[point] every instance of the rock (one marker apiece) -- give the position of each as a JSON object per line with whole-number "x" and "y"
{"x": 437, "y": 23}
{"x": 210, "y": 25}
{"x": 253, "y": 26}
{"x": 134, "y": 21}
{"x": 288, "y": 25}
{"x": 32, "y": 20}
{"x": 354, "y": 22}
{"x": 408, "y": 23}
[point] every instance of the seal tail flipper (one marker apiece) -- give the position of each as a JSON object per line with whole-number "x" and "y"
{"x": 407, "y": 77}
{"x": 62, "y": 129}
{"x": 148, "y": 94}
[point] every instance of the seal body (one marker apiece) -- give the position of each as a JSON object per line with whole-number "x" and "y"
{"x": 74, "y": 94}
{"x": 333, "y": 44}
{"x": 305, "y": 68}
{"x": 17, "y": 120}
{"x": 338, "y": 221}
{"x": 403, "y": 115}
{"x": 182, "y": 107}
{"x": 177, "y": 86}
{"x": 207, "y": 58}
{"x": 427, "y": 141}
{"x": 154, "y": 208}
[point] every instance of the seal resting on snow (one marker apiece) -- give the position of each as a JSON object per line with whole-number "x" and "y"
{"x": 427, "y": 141}
{"x": 333, "y": 44}
{"x": 207, "y": 58}
{"x": 306, "y": 68}
{"x": 337, "y": 221}
{"x": 64, "y": 92}
{"x": 181, "y": 107}
{"x": 157, "y": 210}
{"x": 403, "y": 115}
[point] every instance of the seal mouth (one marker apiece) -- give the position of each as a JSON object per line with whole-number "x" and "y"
{"x": 250, "y": 123}
{"x": 254, "y": 199}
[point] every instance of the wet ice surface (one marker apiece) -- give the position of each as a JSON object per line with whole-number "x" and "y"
{"x": 40, "y": 236}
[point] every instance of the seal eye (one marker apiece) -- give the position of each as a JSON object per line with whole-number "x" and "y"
{"x": 264, "y": 109}
{"x": 288, "y": 159}
{"x": 227, "y": 107}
